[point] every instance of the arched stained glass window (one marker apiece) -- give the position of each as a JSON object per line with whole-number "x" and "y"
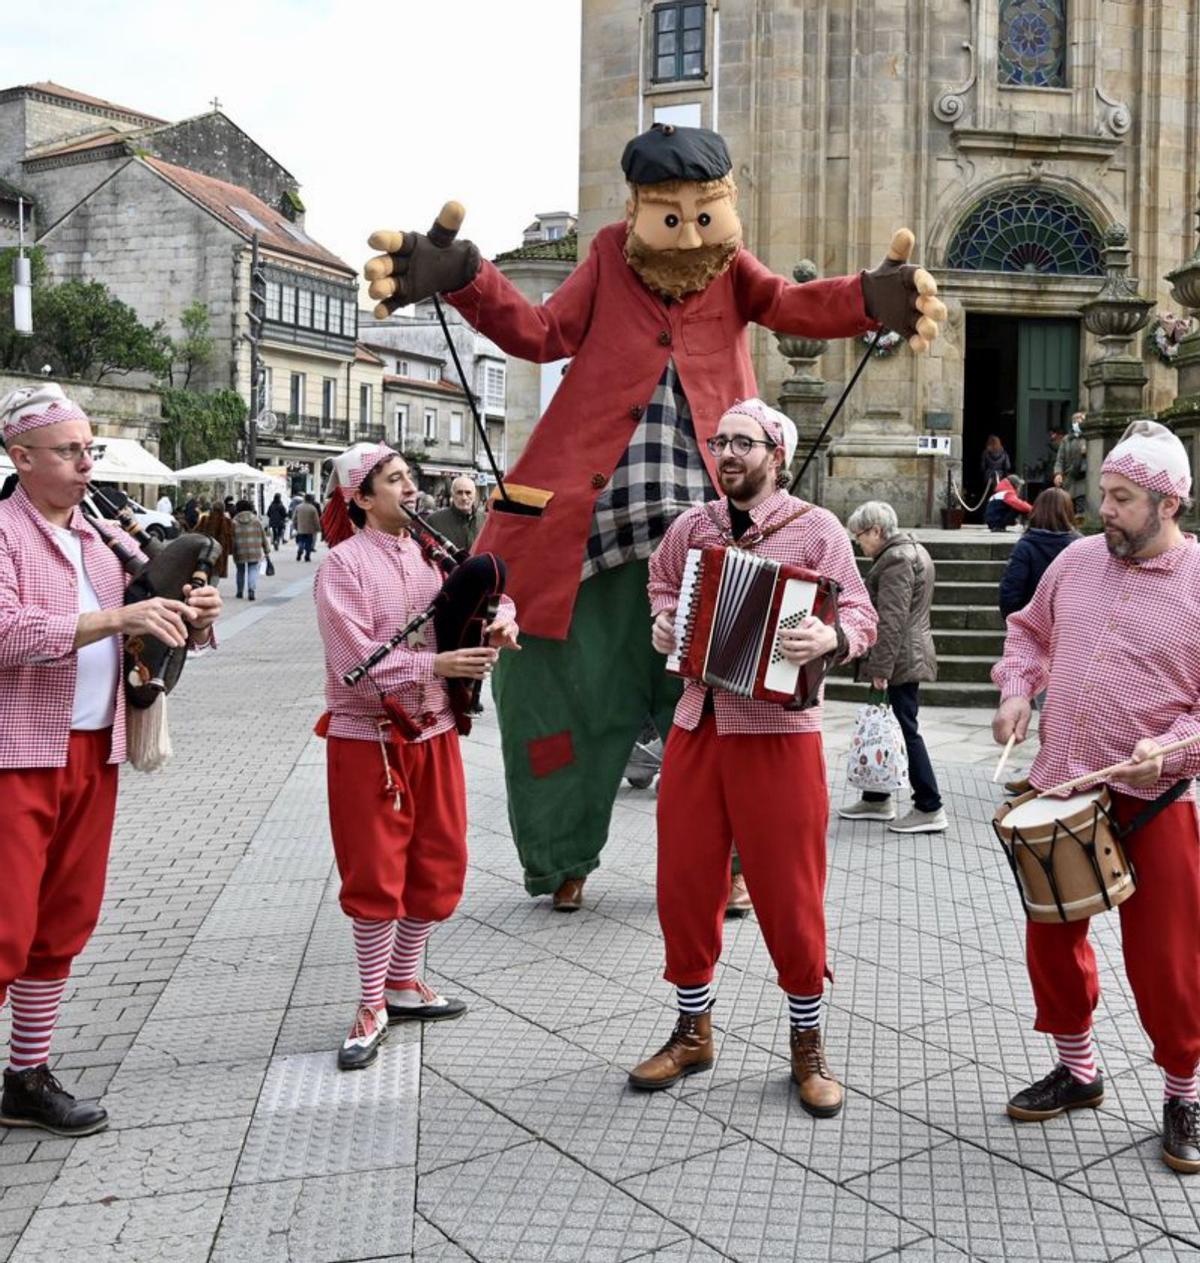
{"x": 1027, "y": 229}
{"x": 1033, "y": 43}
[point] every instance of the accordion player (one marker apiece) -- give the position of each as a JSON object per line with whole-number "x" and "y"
{"x": 732, "y": 607}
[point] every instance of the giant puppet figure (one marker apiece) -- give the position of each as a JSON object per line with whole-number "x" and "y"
{"x": 654, "y": 324}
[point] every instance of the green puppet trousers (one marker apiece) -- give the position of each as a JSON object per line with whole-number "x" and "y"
{"x": 570, "y": 711}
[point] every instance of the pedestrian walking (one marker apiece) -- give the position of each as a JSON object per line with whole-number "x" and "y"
{"x": 217, "y": 525}
{"x": 1070, "y": 464}
{"x": 400, "y": 839}
{"x": 250, "y": 546}
{"x": 293, "y": 503}
{"x": 460, "y": 521}
{"x": 277, "y": 517}
{"x": 900, "y": 583}
{"x": 62, "y": 732}
{"x": 1113, "y": 636}
{"x": 737, "y": 766}
{"x": 1051, "y": 528}
{"x": 307, "y": 519}
{"x": 191, "y": 513}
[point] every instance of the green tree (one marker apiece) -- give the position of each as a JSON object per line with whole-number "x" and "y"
{"x": 199, "y": 427}
{"x": 85, "y": 332}
{"x": 194, "y": 351}
{"x": 17, "y": 349}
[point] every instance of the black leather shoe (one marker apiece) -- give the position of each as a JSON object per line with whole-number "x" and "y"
{"x": 1057, "y": 1092}
{"x": 1181, "y": 1135}
{"x": 35, "y": 1098}
{"x": 361, "y": 1046}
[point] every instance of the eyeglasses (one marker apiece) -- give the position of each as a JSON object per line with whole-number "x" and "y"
{"x": 739, "y": 444}
{"x": 73, "y": 452}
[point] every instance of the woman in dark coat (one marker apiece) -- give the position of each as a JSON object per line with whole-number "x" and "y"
{"x": 216, "y": 524}
{"x": 1050, "y": 530}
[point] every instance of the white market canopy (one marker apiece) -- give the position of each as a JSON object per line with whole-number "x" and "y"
{"x": 223, "y": 471}
{"x": 126, "y": 460}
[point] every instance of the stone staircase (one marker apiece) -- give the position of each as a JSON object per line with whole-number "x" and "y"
{"x": 968, "y": 632}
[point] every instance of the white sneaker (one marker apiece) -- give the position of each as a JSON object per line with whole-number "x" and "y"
{"x": 921, "y": 822}
{"x": 864, "y": 810}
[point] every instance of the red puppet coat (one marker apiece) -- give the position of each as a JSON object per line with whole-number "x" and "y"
{"x": 619, "y": 337}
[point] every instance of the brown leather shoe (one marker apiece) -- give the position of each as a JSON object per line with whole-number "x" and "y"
{"x": 688, "y": 1051}
{"x": 820, "y": 1093}
{"x": 569, "y": 896}
{"x": 738, "y": 904}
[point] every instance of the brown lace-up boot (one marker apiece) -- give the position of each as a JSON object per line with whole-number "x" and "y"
{"x": 820, "y": 1093}
{"x": 688, "y": 1051}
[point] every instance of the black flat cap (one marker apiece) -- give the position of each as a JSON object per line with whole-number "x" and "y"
{"x": 666, "y": 152}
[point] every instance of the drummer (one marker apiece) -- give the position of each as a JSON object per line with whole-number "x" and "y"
{"x": 1113, "y": 635}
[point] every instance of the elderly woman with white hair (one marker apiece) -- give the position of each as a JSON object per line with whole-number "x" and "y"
{"x": 900, "y": 584}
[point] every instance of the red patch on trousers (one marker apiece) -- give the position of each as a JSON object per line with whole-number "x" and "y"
{"x": 548, "y": 754}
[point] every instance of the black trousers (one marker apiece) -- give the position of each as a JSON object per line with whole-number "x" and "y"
{"x": 905, "y": 700}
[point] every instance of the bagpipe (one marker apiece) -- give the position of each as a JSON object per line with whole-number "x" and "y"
{"x": 461, "y": 612}
{"x": 151, "y": 667}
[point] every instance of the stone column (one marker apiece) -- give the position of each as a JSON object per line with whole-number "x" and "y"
{"x": 1115, "y": 378}
{"x": 802, "y": 397}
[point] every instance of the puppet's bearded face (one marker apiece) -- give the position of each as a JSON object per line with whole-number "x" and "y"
{"x": 682, "y": 234}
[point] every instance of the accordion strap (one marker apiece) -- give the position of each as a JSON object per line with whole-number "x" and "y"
{"x": 764, "y": 532}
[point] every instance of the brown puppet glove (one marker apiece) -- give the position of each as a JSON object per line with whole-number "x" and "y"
{"x": 416, "y": 266}
{"x": 902, "y": 296}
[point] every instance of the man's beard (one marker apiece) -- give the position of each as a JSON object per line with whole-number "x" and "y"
{"x": 679, "y": 272}
{"x": 1123, "y": 544}
{"x": 745, "y": 484}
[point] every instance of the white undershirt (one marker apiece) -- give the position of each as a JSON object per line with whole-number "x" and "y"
{"x": 97, "y": 663}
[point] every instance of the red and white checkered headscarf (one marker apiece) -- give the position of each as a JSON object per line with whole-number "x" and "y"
{"x": 778, "y": 427}
{"x": 1151, "y": 456}
{"x": 349, "y": 472}
{"x": 31, "y": 407}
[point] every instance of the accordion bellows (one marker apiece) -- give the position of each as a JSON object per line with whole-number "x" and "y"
{"x": 732, "y": 607}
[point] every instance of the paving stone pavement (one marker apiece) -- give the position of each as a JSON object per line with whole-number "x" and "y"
{"x": 207, "y": 1007}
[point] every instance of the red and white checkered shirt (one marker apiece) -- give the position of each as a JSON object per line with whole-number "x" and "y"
{"x": 367, "y": 588}
{"x": 816, "y": 541}
{"x": 1116, "y": 644}
{"x": 39, "y": 613}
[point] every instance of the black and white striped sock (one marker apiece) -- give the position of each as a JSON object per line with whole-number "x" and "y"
{"x": 694, "y": 999}
{"x": 804, "y": 1011}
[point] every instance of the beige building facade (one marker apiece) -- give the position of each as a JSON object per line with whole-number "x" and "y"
{"x": 1010, "y": 135}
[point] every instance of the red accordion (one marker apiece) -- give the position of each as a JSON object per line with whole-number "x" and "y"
{"x": 732, "y": 607}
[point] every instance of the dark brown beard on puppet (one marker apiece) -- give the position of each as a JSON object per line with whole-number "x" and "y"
{"x": 679, "y": 272}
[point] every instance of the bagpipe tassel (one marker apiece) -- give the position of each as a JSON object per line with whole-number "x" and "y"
{"x": 147, "y": 736}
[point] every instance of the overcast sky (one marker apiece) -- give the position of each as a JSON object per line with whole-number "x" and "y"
{"x": 381, "y": 111}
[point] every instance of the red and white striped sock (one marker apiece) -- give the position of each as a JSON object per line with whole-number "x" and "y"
{"x": 1078, "y": 1054}
{"x": 35, "y": 1004}
{"x": 411, "y": 936}
{"x": 373, "y": 947}
{"x": 1182, "y": 1089}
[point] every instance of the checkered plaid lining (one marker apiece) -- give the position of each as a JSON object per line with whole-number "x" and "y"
{"x": 661, "y": 474}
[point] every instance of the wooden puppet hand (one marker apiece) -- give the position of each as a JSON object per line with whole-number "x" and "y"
{"x": 416, "y": 266}
{"x": 903, "y": 297}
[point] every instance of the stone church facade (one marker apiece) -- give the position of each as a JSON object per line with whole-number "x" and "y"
{"x": 1015, "y": 137}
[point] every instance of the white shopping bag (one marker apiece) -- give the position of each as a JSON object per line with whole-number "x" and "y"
{"x": 878, "y": 758}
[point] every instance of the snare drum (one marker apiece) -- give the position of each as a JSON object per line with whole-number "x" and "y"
{"x": 1066, "y": 854}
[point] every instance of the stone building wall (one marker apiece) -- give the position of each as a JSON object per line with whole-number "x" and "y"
{"x": 129, "y": 234}
{"x": 129, "y": 412}
{"x": 848, "y": 118}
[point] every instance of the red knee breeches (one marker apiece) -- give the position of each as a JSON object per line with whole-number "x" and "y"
{"x": 1160, "y": 939}
{"x": 54, "y": 845}
{"x": 768, "y": 791}
{"x": 410, "y": 862}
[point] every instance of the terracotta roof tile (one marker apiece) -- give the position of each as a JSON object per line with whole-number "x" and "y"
{"x": 448, "y": 388}
{"x": 69, "y": 94}
{"x": 110, "y": 136}
{"x": 364, "y": 356}
{"x": 232, "y": 204}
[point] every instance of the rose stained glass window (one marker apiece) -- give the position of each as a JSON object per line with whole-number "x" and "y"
{"x": 1033, "y": 43}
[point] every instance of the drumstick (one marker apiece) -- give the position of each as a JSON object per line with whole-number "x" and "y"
{"x": 1004, "y": 758}
{"x": 1067, "y": 786}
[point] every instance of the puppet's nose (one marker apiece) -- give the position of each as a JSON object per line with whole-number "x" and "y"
{"x": 689, "y": 237}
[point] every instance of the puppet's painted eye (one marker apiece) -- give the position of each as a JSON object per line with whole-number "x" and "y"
{"x": 704, "y": 219}
{"x": 672, "y": 221}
